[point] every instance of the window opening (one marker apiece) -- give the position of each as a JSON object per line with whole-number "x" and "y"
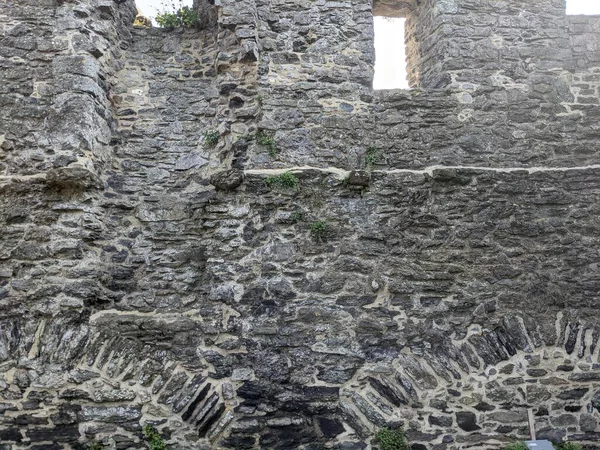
{"x": 575, "y": 7}
{"x": 390, "y": 53}
{"x": 150, "y": 8}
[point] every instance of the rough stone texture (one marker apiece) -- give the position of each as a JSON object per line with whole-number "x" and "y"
{"x": 436, "y": 266}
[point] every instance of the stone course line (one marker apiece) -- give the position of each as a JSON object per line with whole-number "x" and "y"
{"x": 427, "y": 171}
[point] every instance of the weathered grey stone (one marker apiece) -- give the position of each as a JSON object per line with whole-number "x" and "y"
{"x": 157, "y": 174}
{"x": 115, "y": 414}
{"x": 564, "y": 420}
{"x": 588, "y": 422}
{"x": 596, "y": 401}
{"x": 101, "y": 396}
{"x": 573, "y": 394}
{"x": 242, "y": 374}
{"x": 227, "y": 180}
{"x": 369, "y": 411}
{"x": 359, "y": 178}
{"x": 76, "y": 64}
{"x": 160, "y": 211}
{"x": 585, "y": 376}
{"x": 191, "y": 161}
{"x": 172, "y": 387}
{"x": 72, "y": 177}
{"x": 552, "y": 434}
{"x": 441, "y": 421}
{"x": 467, "y": 421}
{"x": 515, "y": 416}
{"x": 537, "y": 394}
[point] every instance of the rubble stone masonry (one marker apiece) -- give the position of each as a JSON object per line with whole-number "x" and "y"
{"x": 432, "y": 264}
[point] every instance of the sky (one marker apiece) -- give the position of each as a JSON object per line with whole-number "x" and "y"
{"x": 583, "y": 7}
{"x": 390, "y": 57}
{"x": 149, "y": 8}
{"x": 390, "y": 64}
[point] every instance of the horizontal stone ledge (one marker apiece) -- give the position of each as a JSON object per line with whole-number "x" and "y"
{"x": 133, "y": 321}
{"x": 73, "y": 177}
{"x": 431, "y": 171}
{"x": 10, "y": 182}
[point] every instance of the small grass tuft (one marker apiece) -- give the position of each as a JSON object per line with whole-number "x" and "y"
{"x": 568, "y": 446}
{"x": 318, "y": 228}
{"x": 285, "y": 180}
{"x": 516, "y": 446}
{"x": 96, "y": 445}
{"x": 268, "y": 141}
{"x": 211, "y": 138}
{"x": 296, "y": 217}
{"x": 371, "y": 157}
{"x": 388, "y": 439}
{"x": 154, "y": 438}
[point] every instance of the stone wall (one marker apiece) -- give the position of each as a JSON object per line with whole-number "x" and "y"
{"x": 510, "y": 99}
{"x": 433, "y": 263}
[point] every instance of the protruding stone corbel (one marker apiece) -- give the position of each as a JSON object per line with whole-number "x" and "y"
{"x": 360, "y": 178}
{"x": 72, "y": 177}
{"x": 227, "y": 180}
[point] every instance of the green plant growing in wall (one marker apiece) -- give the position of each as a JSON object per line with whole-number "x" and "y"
{"x": 516, "y": 446}
{"x": 260, "y": 99}
{"x": 296, "y": 217}
{"x": 211, "y": 138}
{"x": 371, "y": 157}
{"x": 268, "y": 141}
{"x": 286, "y": 180}
{"x": 319, "y": 228}
{"x": 568, "y": 446}
{"x": 153, "y": 438}
{"x": 176, "y": 14}
{"x": 391, "y": 439}
{"x": 96, "y": 445}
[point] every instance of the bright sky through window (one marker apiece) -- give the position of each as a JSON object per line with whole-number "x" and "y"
{"x": 150, "y": 8}
{"x": 583, "y": 6}
{"x": 390, "y": 54}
